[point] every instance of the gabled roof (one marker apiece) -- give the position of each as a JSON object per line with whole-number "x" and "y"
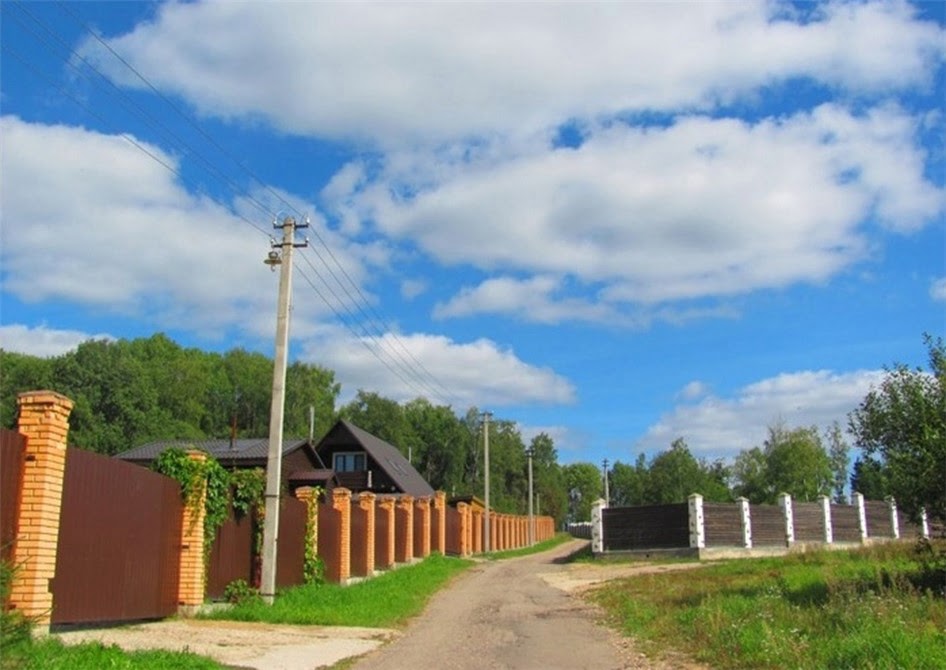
{"x": 248, "y": 452}
{"x": 388, "y": 458}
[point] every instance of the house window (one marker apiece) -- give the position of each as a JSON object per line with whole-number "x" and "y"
{"x": 349, "y": 461}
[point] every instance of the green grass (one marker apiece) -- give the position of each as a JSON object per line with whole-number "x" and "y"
{"x": 51, "y": 654}
{"x": 384, "y": 601}
{"x": 874, "y": 608}
{"x": 551, "y": 543}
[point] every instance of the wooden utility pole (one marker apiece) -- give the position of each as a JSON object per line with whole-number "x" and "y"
{"x": 486, "y": 538}
{"x": 274, "y": 457}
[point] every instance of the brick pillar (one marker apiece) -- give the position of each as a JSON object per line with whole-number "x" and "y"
{"x": 422, "y": 527}
{"x": 493, "y": 531}
{"x": 826, "y": 520}
{"x": 785, "y": 502}
{"x": 341, "y": 506}
{"x": 191, "y": 586}
{"x": 597, "y": 526}
{"x": 438, "y": 532}
{"x": 697, "y": 534}
{"x": 365, "y": 508}
{"x": 861, "y": 515}
{"x": 310, "y": 496}
{"x": 463, "y": 510}
{"x": 44, "y": 420}
{"x": 468, "y": 529}
{"x": 404, "y": 529}
{"x": 745, "y": 520}
{"x": 894, "y": 521}
{"x": 477, "y": 531}
{"x": 385, "y": 546}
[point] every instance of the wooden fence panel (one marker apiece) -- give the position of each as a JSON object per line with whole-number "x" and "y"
{"x": 12, "y": 453}
{"x": 808, "y": 520}
{"x": 119, "y": 534}
{"x": 878, "y": 518}
{"x": 646, "y": 527}
{"x": 722, "y": 525}
{"x": 768, "y": 525}
{"x": 844, "y": 523}
{"x": 908, "y": 529}
{"x": 290, "y": 554}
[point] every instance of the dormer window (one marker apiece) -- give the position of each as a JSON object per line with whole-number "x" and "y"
{"x": 349, "y": 461}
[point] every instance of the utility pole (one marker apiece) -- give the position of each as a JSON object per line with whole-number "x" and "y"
{"x": 274, "y": 457}
{"x": 486, "y": 416}
{"x": 607, "y": 493}
{"x": 529, "y": 453}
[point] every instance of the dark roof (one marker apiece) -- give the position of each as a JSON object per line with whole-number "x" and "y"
{"x": 312, "y": 476}
{"x": 388, "y": 458}
{"x": 247, "y": 451}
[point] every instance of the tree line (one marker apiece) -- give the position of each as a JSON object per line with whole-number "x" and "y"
{"x": 128, "y": 392}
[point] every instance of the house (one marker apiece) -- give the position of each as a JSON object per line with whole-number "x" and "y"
{"x": 298, "y": 456}
{"x": 363, "y": 462}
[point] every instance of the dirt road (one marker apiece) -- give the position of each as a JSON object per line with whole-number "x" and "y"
{"x": 517, "y": 614}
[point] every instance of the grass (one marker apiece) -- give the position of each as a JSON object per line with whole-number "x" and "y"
{"x": 874, "y": 608}
{"x": 545, "y": 545}
{"x": 51, "y": 654}
{"x": 385, "y": 601}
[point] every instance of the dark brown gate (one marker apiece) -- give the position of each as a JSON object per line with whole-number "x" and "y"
{"x": 119, "y": 539}
{"x": 12, "y": 450}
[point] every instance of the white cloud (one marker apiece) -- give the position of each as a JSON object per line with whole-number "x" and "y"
{"x": 411, "y": 288}
{"x": 700, "y": 209}
{"x": 722, "y": 426}
{"x": 938, "y": 289}
{"x": 479, "y": 373}
{"x": 480, "y": 68}
{"x": 42, "y": 341}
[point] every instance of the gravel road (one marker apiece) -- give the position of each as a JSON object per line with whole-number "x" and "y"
{"x": 522, "y": 613}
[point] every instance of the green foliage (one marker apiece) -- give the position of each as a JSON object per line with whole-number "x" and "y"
{"x": 867, "y": 608}
{"x": 672, "y": 476}
{"x": 385, "y": 601}
{"x": 902, "y": 426}
{"x": 584, "y": 484}
{"x": 248, "y": 488}
{"x": 238, "y": 592}
{"x": 15, "y": 629}
{"x": 313, "y": 567}
{"x": 792, "y": 461}
{"x": 51, "y": 654}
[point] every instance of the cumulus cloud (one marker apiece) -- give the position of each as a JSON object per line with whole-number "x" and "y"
{"x": 461, "y": 374}
{"x": 43, "y": 341}
{"x": 723, "y": 426}
{"x": 480, "y": 69}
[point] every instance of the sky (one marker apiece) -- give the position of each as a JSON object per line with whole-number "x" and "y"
{"x": 616, "y": 223}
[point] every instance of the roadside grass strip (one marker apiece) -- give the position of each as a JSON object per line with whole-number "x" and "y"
{"x": 51, "y": 654}
{"x": 385, "y": 601}
{"x": 880, "y": 607}
{"x": 551, "y": 543}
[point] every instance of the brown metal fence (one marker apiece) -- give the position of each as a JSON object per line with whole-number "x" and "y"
{"x": 845, "y": 526}
{"x": 12, "y": 450}
{"x": 329, "y": 523}
{"x": 290, "y": 557}
{"x": 119, "y": 532}
{"x": 233, "y": 555}
{"x": 768, "y": 525}
{"x": 878, "y": 518}
{"x": 647, "y": 527}
{"x": 722, "y": 525}
{"x": 808, "y": 521}
{"x": 359, "y": 541}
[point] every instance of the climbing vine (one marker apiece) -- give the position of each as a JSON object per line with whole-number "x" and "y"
{"x": 313, "y": 569}
{"x": 249, "y": 488}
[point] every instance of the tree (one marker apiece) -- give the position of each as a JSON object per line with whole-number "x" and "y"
{"x": 548, "y": 479}
{"x": 839, "y": 457}
{"x": 628, "y": 482}
{"x": 584, "y": 485}
{"x": 902, "y": 425}
{"x": 869, "y": 479}
{"x": 675, "y": 474}
{"x": 792, "y": 461}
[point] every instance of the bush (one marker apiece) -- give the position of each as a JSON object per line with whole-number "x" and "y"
{"x": 15, "y": 629}
{"x": 238, "y": 592}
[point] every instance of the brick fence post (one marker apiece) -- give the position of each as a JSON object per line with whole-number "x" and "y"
{"x": 191, "y": 585}
{"x": 44, "y": 421}
{"x": 894, "y": 521}
{"x": 861, "y": 516}
{"x": 422, "y": 527}
{"x": 465, "y": 516}
{"x": 924, "y": 523}
{"x": 310, "y": 496}
{"x": 339, "y": 565}
{"x": 438, "y": 534}
{"x": 785, "y": 502}
{"x": 477, "y": 547}
{"x": 404, "y": 532}
{"x": 745, "y": 520}
{"x": 826, "y": 519}
{"x": 366, "y": 507}
{"x": 695, "y": 513}
{"x": 597, "y": 526}
{"x": 386, "y": 550}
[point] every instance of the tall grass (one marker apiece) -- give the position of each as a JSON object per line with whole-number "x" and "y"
{"x": 384, "y": 601}
{"x": 873, "y": 608}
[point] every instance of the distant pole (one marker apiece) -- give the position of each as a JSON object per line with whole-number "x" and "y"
{"x": 486, "y": 416}
{"x": 277, "y": 407}
{"x": 607, "y": 493}
{"x": 529, "y": 452}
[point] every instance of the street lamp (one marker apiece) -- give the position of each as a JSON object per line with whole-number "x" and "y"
{"x": 529, "y": 452}
{"x": 607, "y": 493}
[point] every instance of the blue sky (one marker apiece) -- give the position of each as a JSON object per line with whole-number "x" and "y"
{"x": 617, "y": 223}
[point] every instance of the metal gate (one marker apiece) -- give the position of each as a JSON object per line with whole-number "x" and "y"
{"x": 119, "y": 538}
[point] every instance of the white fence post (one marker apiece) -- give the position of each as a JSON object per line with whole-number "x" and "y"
{"x": 597, "y": 526}
{"x": 894, "y": 521}
{"x": 861, "y": 515}
{"x": 924, "y": 523}
{"x": 746, "y": 521}
{"x": 697, "y": 535}
{"x": 826, "y": 518}
{"x": 785, "y": 502}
